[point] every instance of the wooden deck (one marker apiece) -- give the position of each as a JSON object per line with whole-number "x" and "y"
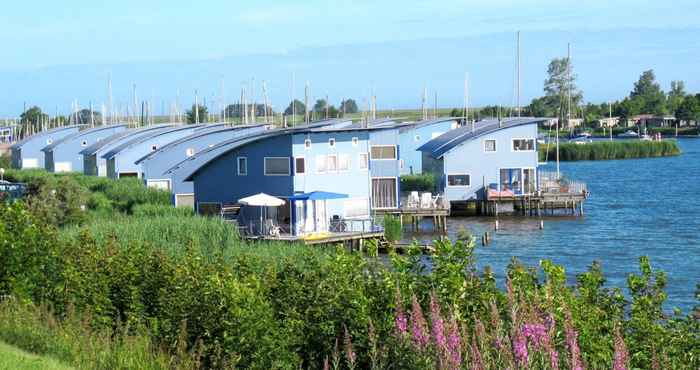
{"x": 415, "y": 215}
{"x": 347, "y": 238}
{"x": 540, "y": 204}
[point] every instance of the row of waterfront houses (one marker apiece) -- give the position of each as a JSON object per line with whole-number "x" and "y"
{"x": 326, "y": 172}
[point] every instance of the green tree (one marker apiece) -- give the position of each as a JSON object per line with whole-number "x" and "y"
{"x": 689, "y": 110}
{"x": 86, "y": 117}
{"x": 197, "y": 114}
{"x": 320, "y": 106}
{"x": 675, "y": 96}
{"x": 649, "y": 95}
{"x": 33, "y": 116}
{"x": 295, "y": 107}
{"x": 560, "y": 86}
{"x": 348, "y": 106}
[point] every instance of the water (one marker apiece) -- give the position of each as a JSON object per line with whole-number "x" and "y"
{"x": 637, "y": 207}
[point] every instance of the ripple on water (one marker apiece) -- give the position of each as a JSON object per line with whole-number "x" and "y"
{"x": 637, "y": 207}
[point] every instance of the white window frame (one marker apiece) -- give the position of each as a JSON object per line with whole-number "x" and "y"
{"x": 307, "y": 144}
{"x": 495, "y": 146}
{"x": 189, "y": 152}
{"x": 347, "y": 156}
{"x": 512, "y": 145}
{"x": 238, "y": 166}
{"x": 154, "y": 147}
{"x": 84, "y": 143}
{"x": 49, "y": 141}
{"x": 397, "y": 184}
{"x": 289, "y": 170}
{"x": 363, "y": 162}
{"x": 149, "y": 181}
{"x": 331, "y": 142}
{"x": 416, "y": 138}
{"x": 396, "y": 153}
{"x": 318, "y": 160}
{"x": 181, "y": 194}
{"x": 337, "y": 163}
{"x": 355, "y": 141}
{"x": 447, "y": 180}
{"x": 295, "y": 165}
{"x": 522, "y": 175}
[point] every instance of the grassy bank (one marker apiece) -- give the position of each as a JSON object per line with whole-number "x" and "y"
{"x": 144, "y": 286}
{"x": 16, "y": 359}
{"x": 602, "y": 150}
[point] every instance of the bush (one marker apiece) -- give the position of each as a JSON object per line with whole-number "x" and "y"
{"x": 5, "y": 162}
{"x": 392, "y": 228}
{"x": 422, "y": 182}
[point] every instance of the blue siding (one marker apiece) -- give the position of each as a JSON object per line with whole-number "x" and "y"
{"x": 484, "y": 167}
{"x": 28, "y": 154}
{"x": 124, "y": 160}
{"x": 65, "y": 155}
{"x": 155, "y": 167}
{"x": 413, "y": 137}
{"x": 219, "y": 182}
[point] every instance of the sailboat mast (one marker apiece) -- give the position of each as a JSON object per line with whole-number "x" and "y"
{"x": 518, "y": 77}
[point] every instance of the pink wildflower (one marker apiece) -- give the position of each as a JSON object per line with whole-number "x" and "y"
{"x": 572, "y": 343}
{"x": 419, "y": 325}
{"x": 454, "y": 345}
{"x": 477, "y": 362}
{"x": 349, "y": 353}
{"x": 400, "y": 319}
{"x": 536, "y": 334}
{"x": 621, "y": 355}
{"x": 438, "y": 323}
{"x": 520, "y": 349}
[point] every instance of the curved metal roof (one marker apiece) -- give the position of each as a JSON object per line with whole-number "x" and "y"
{"x": 43, "y": 133}
{"x": 447, "y": 141}
{"x": 150, "y": 135}
{"x": 94, "y": 148}
{"x": 197, "y": 134}
{"x": 78, "y": 134}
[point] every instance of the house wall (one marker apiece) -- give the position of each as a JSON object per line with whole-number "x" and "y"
{"x": 154, "y": 167}
{"x": 409, "y": 143}
{"x": 484, "y": 168}
{"x": 66, "y": 156}
{"x": 30, "y": 155}
{"x": 125, "y": 159}
{"x": 353, "y": 182}
{"x": 219, "y": 182}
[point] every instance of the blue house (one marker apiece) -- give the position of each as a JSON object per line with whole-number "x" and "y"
{"x": 414, "y": 134}
{"x": 322, "y": 172}
{"x": 154, "y": 165}
{"x": 64, "y": 155}
{"x": 492, "y": 155}
{"x": 27, "y": 153}
{"x": 121, "y": 160}
{"x": 95, "y": 165}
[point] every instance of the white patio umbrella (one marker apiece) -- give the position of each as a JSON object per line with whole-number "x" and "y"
{"x": 261, "y": 200}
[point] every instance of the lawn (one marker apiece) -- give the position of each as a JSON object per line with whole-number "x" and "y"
{"x": 16, "y": 359}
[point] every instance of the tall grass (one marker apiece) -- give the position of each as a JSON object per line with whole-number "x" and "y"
{"x": 421, "y": 182}
{"x": 74, "y": 341}
{"x": 602, "y": 150}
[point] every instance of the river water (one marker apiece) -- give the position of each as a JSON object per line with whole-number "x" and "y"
{"x": 637, "y": 207}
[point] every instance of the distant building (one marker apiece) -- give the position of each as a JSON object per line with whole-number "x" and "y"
{"x": 552, "y": 122}
{"x": 650, "y": 120}
{"x": 27, "y": 153}
{"x": 63, "y": 155}
{"x": 499, "y": 155}
{"x": 121, "y": 160}
{"x": 607, "y": 122}
{"x": 6, "y": 135}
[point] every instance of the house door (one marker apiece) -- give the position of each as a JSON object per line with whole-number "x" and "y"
{"x": 511, "y": 179}
{"x": 384, "y": 193}
{"x": 320, "y": 208}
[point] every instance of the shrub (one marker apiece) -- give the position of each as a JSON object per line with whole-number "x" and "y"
{"x": 601, "y": 150}
{"x": 392, "y": 228}
{"x": 160, "y": 210}
{"x": 422, "y": 182}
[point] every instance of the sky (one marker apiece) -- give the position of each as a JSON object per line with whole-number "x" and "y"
{"x": 55, "y": 53}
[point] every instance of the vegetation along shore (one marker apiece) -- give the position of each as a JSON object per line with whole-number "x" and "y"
{"x": 101, "y": 273}
{"x": 601, "y": 150}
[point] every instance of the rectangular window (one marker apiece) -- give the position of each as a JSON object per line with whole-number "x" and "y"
{"x": 529, "y": 186}
{"x": 344, "y": 162}
{"x": 331, "y": 143}
{"x": 276, "y": 166}
{"x": 355, "y": 208}
{"x": 332, "y": 163}
{"x": 158, "y": 184}
{"x": 321, "y": 164}
{"x": 242, "y": 166}
{"x": 354, "y": 141}
{"x": 458, "y": 180}
{"x": 307, "y": 144}
{"x": 299, "y": 166}
{"x": 364, "y": 161}
{"x": 383, "y": 152}
{"x": 511, "y": 180}
{"x": 384, "y": 193}
{"x": 520, "y": 145}
{"x": 490, "y": 145}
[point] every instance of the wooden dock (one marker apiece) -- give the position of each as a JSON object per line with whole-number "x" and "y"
{"x": 415, "y": 215}
{"x": 351, "y": 239}
{"x": 538, "y": 204}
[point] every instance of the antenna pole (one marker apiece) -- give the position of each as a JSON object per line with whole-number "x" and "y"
{"x": 518, "y": 77}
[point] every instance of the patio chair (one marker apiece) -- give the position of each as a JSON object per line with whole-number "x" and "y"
{"x": 413, "y": 200}
{"x": 426, "y": 200}
{"x": 271, "y": 228}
